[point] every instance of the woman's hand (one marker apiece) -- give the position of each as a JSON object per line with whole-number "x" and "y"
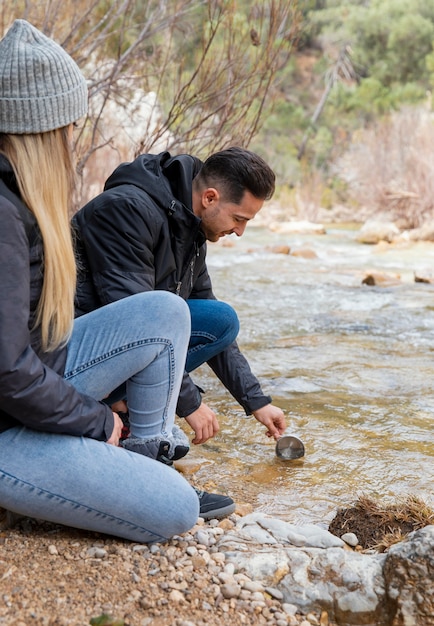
{"x": 117, "y": 430}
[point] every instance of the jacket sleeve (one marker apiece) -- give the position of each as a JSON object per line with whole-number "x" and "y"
{"x": 233, "y": 369}
{"x": 189, "y": 399}
{"x": 32, "y": 393}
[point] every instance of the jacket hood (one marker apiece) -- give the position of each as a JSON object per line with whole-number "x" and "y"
{"x": 163, "y": 177}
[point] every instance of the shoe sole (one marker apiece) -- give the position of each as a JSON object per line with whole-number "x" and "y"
{"x": 218, "y": 513}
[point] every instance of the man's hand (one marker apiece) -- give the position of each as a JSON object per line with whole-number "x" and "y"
{"x": 273, "y": 418}
{"x": 204, "y": 423}
{"x": 117, "y": 430}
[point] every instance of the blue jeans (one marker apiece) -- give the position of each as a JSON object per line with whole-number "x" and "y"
{"x": 92, "y": 485}
{"x": 214, "y": 326}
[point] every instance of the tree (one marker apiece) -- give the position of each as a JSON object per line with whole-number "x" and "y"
{"x": 183, "y": 75}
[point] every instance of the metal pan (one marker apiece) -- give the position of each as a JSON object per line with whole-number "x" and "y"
{"x": 289, "y": 447}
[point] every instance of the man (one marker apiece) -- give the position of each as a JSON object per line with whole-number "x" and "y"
{"x": 148, "y": 230}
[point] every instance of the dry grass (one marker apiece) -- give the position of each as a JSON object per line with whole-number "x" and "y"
{"x": 378, "y": 525}
{"x": 389, "y": 168}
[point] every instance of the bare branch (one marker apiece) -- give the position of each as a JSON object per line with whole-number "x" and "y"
{"x": 184, "y": 75}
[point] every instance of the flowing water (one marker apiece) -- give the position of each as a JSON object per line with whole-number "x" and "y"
{"x": 351, "y": 365}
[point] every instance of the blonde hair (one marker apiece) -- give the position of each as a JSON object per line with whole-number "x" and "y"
{"x": 44, "y": 169}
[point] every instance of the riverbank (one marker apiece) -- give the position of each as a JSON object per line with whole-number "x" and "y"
{"x": 56, "y": 576}
{"x": 249, "y": 568}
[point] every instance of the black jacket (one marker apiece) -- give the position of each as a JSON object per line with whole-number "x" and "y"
{"x": 33, "y": 392}
{"x": 141, "y": 234}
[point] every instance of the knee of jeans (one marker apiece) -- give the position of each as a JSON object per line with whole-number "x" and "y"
{"x": 166, "y": 304}
{"x": 191, "y": 512}
{"x": 232, "y": 321}
{"x": 178, "y": 309}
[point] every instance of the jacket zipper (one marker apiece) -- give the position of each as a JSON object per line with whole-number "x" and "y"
{"x": 192, "y": 264}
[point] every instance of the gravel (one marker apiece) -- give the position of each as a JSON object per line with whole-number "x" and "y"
{"x": 56, "y": 576}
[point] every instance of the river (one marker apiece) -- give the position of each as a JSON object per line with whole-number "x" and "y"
{"x": 351, "y": 365}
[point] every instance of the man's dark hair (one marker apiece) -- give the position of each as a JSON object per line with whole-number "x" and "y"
{"x": 234, "y": 171}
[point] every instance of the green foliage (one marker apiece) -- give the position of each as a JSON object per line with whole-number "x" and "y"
{"x": 390, "y": 38}
{"x": 391, "y": 52}
{"x": 322, "y": 145}
{"x": 429, "y": 61}
{"x": 368, "y": 99}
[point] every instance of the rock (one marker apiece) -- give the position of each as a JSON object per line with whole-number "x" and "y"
{"x": 176, "y": 596}
{"x": 373, "y": 232}
{"x": 424, "y": 233}
{"x": 409, "y": 576}
{"x": 423, "y": 278}
{"x": 384, "y": 279}
{"x": 274, "y": 593}
{"x": 277, "y": 530}
{"x": 350, "y": 539}
{"x": 282, "y": 249}
{"x": 300, "y": 227}
{"x": 243, "y": 508}
{"x": 202, "y": 537}
{"x": 96, "y": 553}
{"x": 289, "y": 609}
{"x": 349, "y": 586}
{"x": 230, "y": 590}
{"x": 253, "y": 585}
{"x": 304, "y": 253}
{"x": 310, "y": 569}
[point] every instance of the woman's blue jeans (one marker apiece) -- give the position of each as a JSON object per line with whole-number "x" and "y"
{"x": 92, "y": 485}
{"x": 214, "y": 326}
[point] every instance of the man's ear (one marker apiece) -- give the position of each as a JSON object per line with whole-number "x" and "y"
{"x": 210, "y": 197}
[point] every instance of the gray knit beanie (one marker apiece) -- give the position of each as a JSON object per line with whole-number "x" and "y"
{"x": 41, "y": 87}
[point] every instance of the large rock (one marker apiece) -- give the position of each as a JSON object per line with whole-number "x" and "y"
{"x": 409, "y": 579}
{"x": 303, "y": 227}
{"x": 424, "y": 233}
{"x": 315, "y": 571}
{"x": 372, "y": 232}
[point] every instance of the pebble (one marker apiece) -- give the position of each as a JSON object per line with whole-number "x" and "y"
{"x": 253, "y": 585}
{"x": 230, "y": 590}
{"x": 289, "y": 609}
{"x": 351, "y": 539}
{"x": 96, "y": 553}
{"x": 202, "y": 537}
{"x": 274, "y": 593}
{"x": 174, "y": 581}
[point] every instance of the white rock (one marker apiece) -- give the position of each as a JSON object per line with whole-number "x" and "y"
{"x": 350, "y": 538}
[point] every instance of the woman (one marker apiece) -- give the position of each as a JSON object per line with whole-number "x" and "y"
{"x": 60, "y": 458}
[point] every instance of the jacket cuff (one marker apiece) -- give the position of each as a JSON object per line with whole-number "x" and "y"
{"x": 257, "y": 403}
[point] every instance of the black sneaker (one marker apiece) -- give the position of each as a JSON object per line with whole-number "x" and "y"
{"x": 213, "y": 505}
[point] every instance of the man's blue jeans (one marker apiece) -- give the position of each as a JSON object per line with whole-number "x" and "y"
{"x": 214, "y": 326}
{"x": 90, "y": 484}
